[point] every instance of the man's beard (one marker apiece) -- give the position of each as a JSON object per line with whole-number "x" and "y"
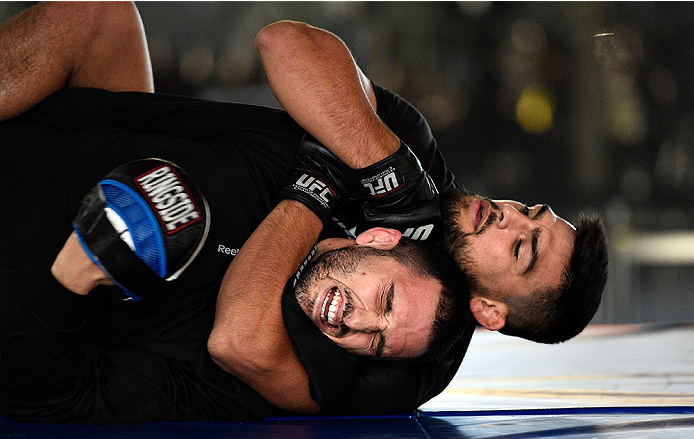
{"x": 453, "y": 201}
{"x": 457, "y": 243}
{"x": 341, "y": 261}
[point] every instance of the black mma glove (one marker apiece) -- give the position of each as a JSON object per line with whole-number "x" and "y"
{"x": 401, "y": 195}
{"x": 320, "y": 180}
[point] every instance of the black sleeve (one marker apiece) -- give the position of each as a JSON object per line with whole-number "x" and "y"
{"x": 411, "y": 127}
{"x": 346, "y": 384}
{"x": 49, "y": 372}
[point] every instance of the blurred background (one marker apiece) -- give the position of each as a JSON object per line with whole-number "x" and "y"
{"x": 584, "y": 106}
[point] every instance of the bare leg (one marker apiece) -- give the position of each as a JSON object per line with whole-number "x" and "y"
{"x": 55, "y": 45}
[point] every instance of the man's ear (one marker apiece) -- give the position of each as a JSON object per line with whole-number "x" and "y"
{"x": 489, "y": 313}
{"x": 380, "y": 238}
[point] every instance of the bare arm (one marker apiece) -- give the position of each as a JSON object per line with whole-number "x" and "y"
{"x": 315, "y": 78}
{"x": 54, "y": 45}
{"x": 249, "y": 338}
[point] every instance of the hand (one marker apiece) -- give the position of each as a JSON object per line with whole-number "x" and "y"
{"x": 75, "y": 270}
{"x": 320, "y": 180}
{"x": 401, "y": 195}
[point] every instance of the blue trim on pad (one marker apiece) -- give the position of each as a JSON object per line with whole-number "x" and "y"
{"x": 132, "y": 208}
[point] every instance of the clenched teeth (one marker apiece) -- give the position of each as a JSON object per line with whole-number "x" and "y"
{"x": 330, "y": 306}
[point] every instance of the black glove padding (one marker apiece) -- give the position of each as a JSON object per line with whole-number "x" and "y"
{"x": 401, "y": 196}
{"x": 320, "y": 180}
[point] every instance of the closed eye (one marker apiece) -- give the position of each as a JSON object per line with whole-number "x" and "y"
{"x": 389, "y": 300}
{"x": 372, "y": 345}
{"x": 525, "y": 210}
{"x": 378, "y": 351}
{"x": 386, "y": 307}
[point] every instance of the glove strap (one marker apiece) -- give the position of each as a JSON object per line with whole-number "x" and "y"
{"x": 314, "y": 191}
{"x": 390, "y": 175}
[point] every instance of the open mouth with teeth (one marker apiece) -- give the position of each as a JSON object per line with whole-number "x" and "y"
{"x": 330, "y": 311}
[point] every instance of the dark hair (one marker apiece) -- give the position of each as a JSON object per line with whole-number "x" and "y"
{"x": 554, "y": 316}
{"x": 453, "y": 318}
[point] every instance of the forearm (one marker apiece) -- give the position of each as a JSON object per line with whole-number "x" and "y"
{"x": 249, "y": 338}
{"x": 315, "y": 78}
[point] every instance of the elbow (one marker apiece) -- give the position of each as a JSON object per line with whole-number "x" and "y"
{"x": 224, "y": 351}
{"x": 280, "y": 36}
{"x": 235, "y": 356}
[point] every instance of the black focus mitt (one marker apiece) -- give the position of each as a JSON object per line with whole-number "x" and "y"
{"x": 143, "y": 225}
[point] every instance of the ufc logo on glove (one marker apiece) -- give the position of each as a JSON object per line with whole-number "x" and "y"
{"x": 316, "y": 188}
{"x": 382, "y": 184}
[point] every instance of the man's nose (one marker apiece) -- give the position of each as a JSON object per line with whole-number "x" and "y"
{"x": 363, "y": 320}
{"x": 512, "y": 218}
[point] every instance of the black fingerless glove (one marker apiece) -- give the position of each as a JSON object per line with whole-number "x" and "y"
{"x": 401, "y": 195}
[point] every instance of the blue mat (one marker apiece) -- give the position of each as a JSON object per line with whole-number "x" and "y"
{"x": 632, "y": 422}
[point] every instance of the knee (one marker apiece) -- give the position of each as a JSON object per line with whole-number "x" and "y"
{"x": 114, "y": 20}
{"x": 114, "y": 54}
{"x": 91, "y": 23}
{"x": 91, "y": 14}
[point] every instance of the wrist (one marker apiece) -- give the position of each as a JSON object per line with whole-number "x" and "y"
{"x": 387, "y": 177}
{"x": 319, "y": 180}
{"x": 378, "y": 148}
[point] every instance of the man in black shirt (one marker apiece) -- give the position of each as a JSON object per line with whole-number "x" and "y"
{"x": 149, "y": 362}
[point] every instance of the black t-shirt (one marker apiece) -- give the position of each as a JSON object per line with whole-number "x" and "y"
{"x": 150, "y": 358}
